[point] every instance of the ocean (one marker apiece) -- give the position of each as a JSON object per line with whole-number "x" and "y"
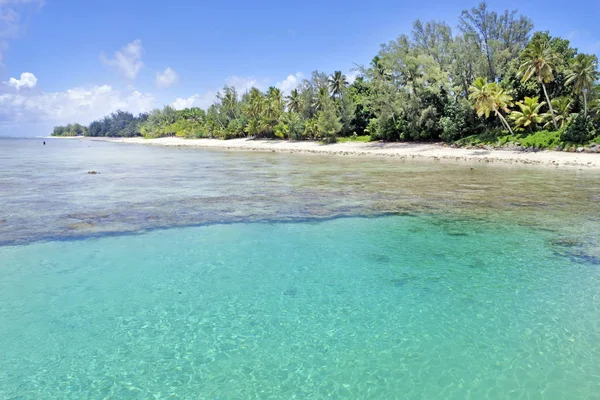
{"x": 194, "y": 273}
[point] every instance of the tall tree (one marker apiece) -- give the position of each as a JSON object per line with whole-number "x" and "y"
{"x": 294, "y": 101}
{"x": 229, "y": 101}
{"x": 499, "y": 37}
{"x": 539, "y": 60}
{"x": 562, "y": 110}
{"x": 337, "y": 83}
{"x": 435, "y": 39}
{"x": 583, "y": 74}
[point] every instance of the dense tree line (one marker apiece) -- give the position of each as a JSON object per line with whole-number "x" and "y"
{"x": 494, "y": 76}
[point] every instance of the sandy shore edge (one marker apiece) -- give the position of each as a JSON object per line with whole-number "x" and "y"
{"x": 427, "y": 151}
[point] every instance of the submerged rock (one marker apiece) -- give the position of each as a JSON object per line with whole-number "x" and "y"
{"x": 93, "y": 172}
{"x": 291, "y": 291}
{"x": 566, "y": 242}
{"x": 380, "y": 258}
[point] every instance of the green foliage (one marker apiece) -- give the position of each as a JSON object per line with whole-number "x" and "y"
{"x": 580, "y": 130}
{"x": 355, "y": 138}
{"x": 529, "y": 116}
{"x": 70, "y": 130}
{"x": 540, "y": 140}
{"x": 498, "y": 37}
{"x": 583, "y": 74}
{"x": 430, "y": 84}
{"x": 489, "y": 136}
{"x": 490, "y": 98}
{"x": 329, "y": 125}
{"x": 459, "y": 121}
{"x": 337, "y": 83}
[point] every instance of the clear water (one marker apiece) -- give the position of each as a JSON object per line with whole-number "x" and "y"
{"x": 483, "y": 285}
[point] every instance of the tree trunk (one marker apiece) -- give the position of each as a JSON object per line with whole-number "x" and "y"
{"x": 506, "y": 125}
{"x": 584, "y": 104}
{"x": 550, "y": 107}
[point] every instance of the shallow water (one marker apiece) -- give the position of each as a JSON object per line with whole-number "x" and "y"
{"x": 483, "y": 284}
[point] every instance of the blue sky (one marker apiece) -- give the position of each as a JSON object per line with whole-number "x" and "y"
{"x": 90, "y": 57}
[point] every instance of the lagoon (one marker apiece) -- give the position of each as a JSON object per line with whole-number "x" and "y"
{"x": 194, "y": 273}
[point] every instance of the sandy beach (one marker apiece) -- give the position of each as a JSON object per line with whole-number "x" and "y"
{"x": 431, "y": 151}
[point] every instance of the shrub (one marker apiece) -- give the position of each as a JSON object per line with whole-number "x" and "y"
{"x": 542, "y": 139}
{"x": 580, "y": 130}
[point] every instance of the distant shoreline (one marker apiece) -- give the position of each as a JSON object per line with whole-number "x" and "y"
{"x": 403, "y": 150}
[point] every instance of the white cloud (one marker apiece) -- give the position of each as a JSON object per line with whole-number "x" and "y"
{"x": 167, "y": 78}
{"x": 198, "y": 100}
{"x": 28, "y": 80}
{"x": 351, "y": 76}
{"x": 9, "y": 22}
{"x": 74, "y": 105}
{"x": 243, "y": 84}
{"x": 128, "y": 60}
{"x": 290, "y": 83}
{"x": 11, "y": 13}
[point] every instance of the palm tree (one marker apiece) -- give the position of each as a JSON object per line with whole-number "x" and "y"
{"x": 490, "y": 98}
{"x": 337, "y": 83}
{"x": 562, "y": 110}
{"x": 229, "y": 100}
{"x": 529, "y": 116}
{"x": 379, "y": 68}
{"x": 583, "y": 74}
{"x": 321, "y": 98}
{"x": 539, "y": 59}
{"x": 311, "y": 128}
{"x": 274, "y": 102}
{"x": 253, "y": 107}
{"x": 294, "y": 101}
{"x": 252, "y": 127}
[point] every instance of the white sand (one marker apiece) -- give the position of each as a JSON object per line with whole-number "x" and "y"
{"x": 400, "y": 150}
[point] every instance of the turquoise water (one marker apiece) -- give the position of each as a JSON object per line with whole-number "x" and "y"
{"x": 281, "y": 291}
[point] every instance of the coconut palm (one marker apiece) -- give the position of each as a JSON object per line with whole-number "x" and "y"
{"x": 529, "y": 115}
{"x": 311, "y": 128}
{"x": 229, "y": 101}
{"x": 379, "y": 68}
{"x": 562, "y": 111}
{"x": 273, "y": 104}
{"x": 252, "y": 128}
{"x": 490, "y": 98}
{"x": 337, "y": 83}
{"x": 293, "y": 101}
{"x": 321, "y": 98}
{"x": 254, "y": 104}
{"x": 583, "y": 74}
{"x": 539, "y": 60}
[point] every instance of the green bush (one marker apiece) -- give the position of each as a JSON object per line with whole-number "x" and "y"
{"x": 542, "y": 139}
{"x": 353, "y": 138}
{"x": 581, "y": 130}
{"x": 488, "y": 136}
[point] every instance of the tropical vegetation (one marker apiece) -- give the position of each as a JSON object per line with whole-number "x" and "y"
{"x": 492, "y": 77}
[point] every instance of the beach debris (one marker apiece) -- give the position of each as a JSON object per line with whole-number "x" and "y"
{"x": 93, "y": 172}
